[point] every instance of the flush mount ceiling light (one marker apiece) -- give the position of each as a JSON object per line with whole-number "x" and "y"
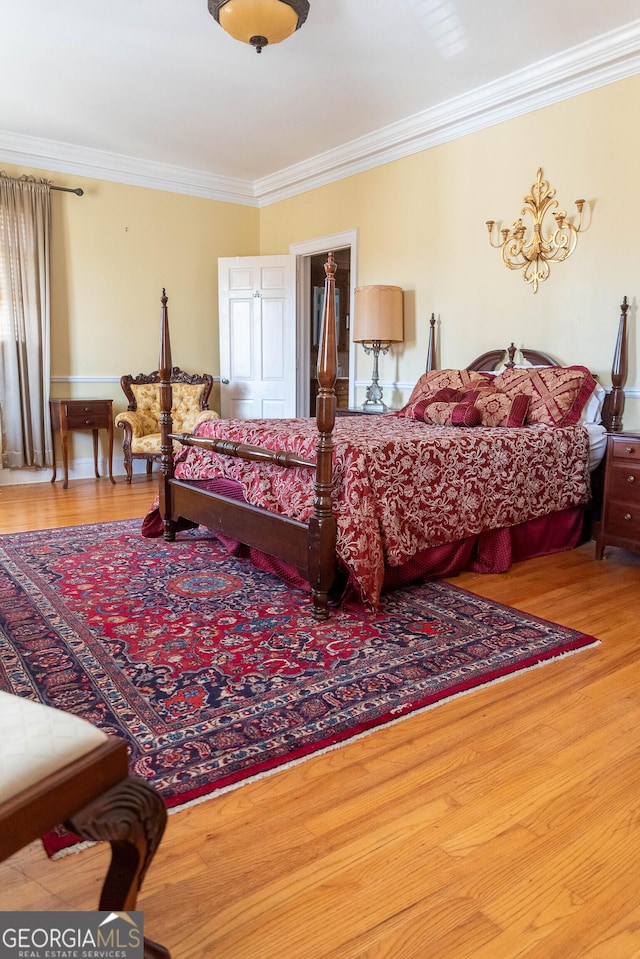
{"x": 259, "y": 22}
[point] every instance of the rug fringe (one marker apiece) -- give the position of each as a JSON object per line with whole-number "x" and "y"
{"x": 73, "y": 850}
{"x": 86, "y": 844}
{"x": 374, "y": 729}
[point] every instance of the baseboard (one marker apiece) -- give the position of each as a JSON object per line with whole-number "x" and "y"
{"x": 78, "y": 469}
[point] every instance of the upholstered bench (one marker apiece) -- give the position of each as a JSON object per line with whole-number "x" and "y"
{"x": 57, "y": 768}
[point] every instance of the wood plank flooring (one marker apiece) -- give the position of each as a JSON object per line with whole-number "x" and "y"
{"x": 503, "y": 824}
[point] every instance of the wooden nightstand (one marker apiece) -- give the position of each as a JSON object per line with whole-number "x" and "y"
{"x": 621, "y": 503}
{"x": 92, "y": 415}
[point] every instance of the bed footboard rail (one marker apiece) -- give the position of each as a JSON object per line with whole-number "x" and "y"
{"x": 245, "y": 451}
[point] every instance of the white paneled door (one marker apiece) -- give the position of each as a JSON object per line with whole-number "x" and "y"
{"x": 257, "y": 315}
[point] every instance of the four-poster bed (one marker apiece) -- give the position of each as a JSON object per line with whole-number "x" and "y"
{"x": 315, "y": 496}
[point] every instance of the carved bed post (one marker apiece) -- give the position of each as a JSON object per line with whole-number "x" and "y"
{"x": 431, "y": 348}
{"x": 322, "y": 525}
{"x": 619, "y": 373}
{"x": 166, "y": 422}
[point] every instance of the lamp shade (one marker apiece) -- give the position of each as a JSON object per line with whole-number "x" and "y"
{"x": 378, "y": 314}
{"x": 259, "y": 22}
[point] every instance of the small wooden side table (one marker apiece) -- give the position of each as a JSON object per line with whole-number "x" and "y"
{"x": 75, "y": 414}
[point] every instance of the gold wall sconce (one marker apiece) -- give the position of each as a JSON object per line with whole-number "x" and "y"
{"x": 530, "y": 250}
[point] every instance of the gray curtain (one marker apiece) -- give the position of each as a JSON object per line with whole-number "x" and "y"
{"x": 25, "y": 351}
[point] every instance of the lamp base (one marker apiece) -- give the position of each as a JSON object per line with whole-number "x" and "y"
{"x": 373, "y": 402}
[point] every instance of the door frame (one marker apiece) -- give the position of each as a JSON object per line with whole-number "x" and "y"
{"x": 304, "y": 251}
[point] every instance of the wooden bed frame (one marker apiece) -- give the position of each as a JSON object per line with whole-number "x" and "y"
{"x": 614, "y": 401}
{"x": 310, "y": 547}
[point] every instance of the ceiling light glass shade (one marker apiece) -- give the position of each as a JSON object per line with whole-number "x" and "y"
{"x": 259, "y": 22}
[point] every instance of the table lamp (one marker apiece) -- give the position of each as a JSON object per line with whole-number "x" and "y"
{"x": 377, "y": 323}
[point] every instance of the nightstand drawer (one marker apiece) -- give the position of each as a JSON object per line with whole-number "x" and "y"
{"x": 90, "y": 414}
{"x": 625, "y": 448}
{"x": 624, "y": 482}
{"x": 623, "y": 519}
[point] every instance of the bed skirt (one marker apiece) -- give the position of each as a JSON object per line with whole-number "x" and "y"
{"x": 492, "y": 551}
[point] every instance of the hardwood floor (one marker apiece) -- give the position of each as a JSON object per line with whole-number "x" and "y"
{"x": 503, "y": 824}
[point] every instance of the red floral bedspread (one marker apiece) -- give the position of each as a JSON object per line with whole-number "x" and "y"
{"x": 401, "y": 486}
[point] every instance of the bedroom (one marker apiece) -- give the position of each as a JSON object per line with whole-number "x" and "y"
{"x": 420, "y": 222}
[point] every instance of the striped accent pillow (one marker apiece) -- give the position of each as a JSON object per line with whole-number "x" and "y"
{"x": 451, "y": 414}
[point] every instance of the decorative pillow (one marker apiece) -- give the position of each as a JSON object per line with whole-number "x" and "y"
{"x": 558, "y": 393}
{"x": 433, "y": 382}
{"x": 416, "y": 410}
{"x": 453, "y": 414}
{"x": 445, "y": 413}
{"x": 499, "y": 409}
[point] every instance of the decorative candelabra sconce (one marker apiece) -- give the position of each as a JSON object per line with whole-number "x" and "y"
{"x": 530, "y": 250}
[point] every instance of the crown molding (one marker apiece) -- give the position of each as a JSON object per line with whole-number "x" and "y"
{"x": 610, "y": 57}
{"x": 118, "y": 168}
{"x": 604, "y": 60}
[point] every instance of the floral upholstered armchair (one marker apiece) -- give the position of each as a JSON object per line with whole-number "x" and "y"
{"x": 141, "y": 421}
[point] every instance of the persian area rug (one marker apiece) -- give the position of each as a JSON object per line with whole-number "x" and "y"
{"x": 215, "y": 672}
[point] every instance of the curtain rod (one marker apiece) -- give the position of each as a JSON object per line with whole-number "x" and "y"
{"x": 66, "y": 189}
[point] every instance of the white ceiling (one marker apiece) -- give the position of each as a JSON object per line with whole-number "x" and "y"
{"x": 153, "y": 92}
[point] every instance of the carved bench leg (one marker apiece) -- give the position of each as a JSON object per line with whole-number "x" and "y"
{"x": 130, "y": 816}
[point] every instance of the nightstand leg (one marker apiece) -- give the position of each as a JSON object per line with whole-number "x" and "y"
{"x": 54, "y": 419}
{"x": 95, "y": 453}
{"x": 53, "y": 458}
{"x": 65, "y": 456}
{"x": 110, "y": 435}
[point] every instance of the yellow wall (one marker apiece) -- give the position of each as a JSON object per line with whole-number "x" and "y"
{"x": 113, "y": 250}
{"x": 421, "y": 223}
